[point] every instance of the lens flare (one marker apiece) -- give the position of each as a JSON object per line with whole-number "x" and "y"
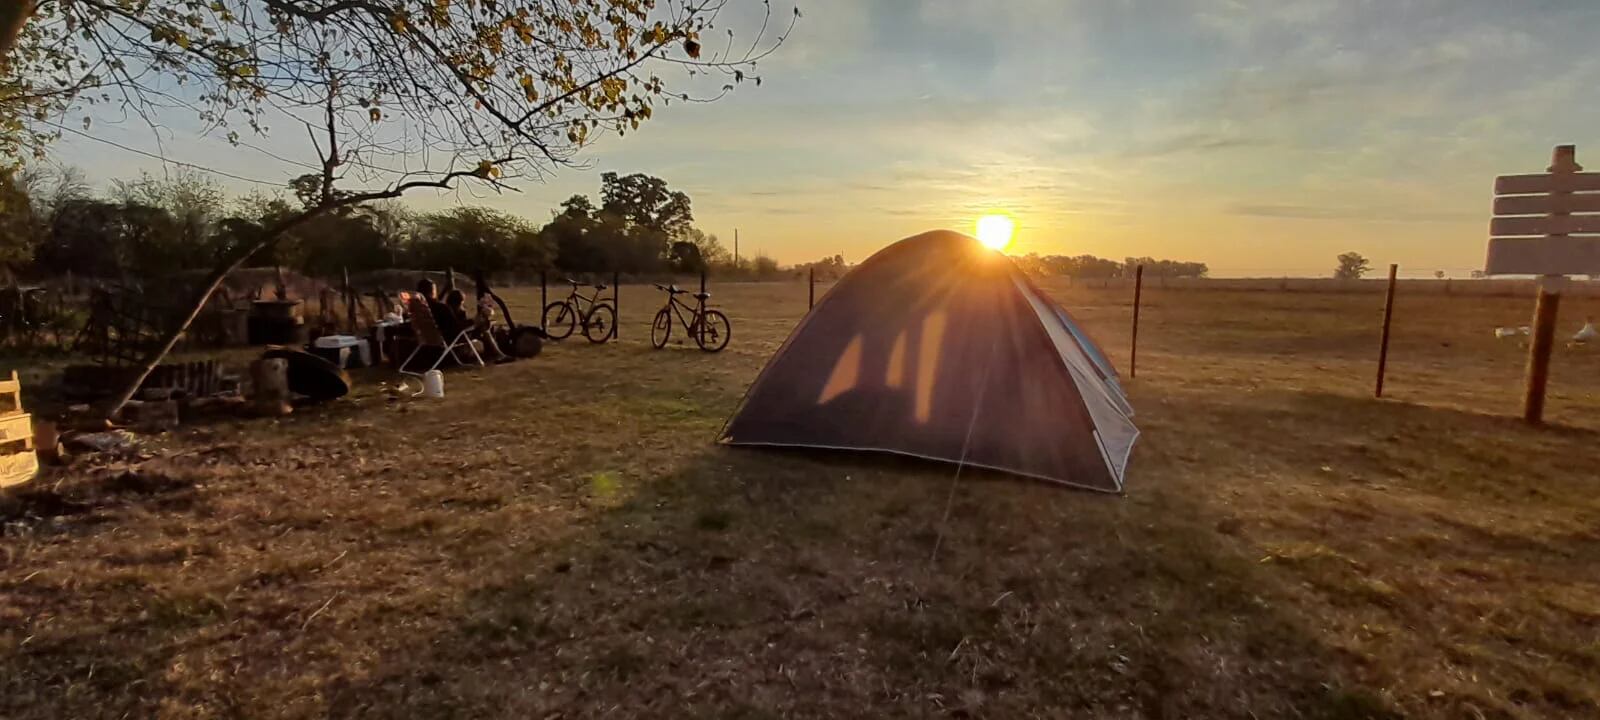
{"x": 995, "y": 231}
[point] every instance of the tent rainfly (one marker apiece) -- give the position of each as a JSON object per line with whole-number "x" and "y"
{"x": 939, "y": 348}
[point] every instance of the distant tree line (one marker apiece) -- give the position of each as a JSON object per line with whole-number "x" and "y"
{"x": 828, "y": 268}
{"x": 1089, "y": 266}
{"x": 150, "y": 227}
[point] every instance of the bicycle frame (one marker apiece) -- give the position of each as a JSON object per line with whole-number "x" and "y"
{"x": 573, "y": 298}
{"x": 696, "y": 312}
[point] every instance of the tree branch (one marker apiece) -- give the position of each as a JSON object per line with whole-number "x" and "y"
{"x": 13, "y": 16}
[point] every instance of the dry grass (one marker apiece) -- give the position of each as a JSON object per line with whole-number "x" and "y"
{"x": 558, "y": 538}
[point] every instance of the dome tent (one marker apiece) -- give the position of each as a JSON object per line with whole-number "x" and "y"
{"x": 937, "y": 347}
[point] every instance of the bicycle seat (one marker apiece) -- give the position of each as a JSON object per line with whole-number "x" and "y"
{"x": 600, "y": 286}
{"x": 702, "y": 295}
{"x": 573, "y": 283}
{"x": 673, "y": 289}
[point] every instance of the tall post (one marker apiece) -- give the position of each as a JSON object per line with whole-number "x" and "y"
{"x": 811, "y": 288}
{"x": 616, "y": 303}
{"x": 1138, "y": 292}
{"x": 1532, "y": 234}
{"x": 349, "y": 301}
{"x": 1388, "y": 316}
{"x": 1544, "y": 336}
{"x": 449, "y": 279}
{"x": 1563, "y": 160}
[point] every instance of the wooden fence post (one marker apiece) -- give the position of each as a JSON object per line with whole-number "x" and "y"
{"x": 1138, "y": 291}
{"x": 350, "y": 301}
{"x": 1544, "y": 335}
{"x": 811, "y": 288}
{"x": 1383, "y": 345}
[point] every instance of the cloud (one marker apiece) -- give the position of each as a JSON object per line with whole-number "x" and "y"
{"x": 1195, "y": 142}
{"x": 1349, "y": 213}
{"x": 884, "y": 117}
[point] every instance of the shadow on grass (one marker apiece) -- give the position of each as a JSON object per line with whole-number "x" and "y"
{"x": 753, "y": 584}
{"x": 1448, "y": 452}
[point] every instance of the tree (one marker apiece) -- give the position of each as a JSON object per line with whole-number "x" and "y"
{"x": 572, "y": 233}
{"x": 476, "y": 238}
{"x": 697, "y": 251}
{"x": 189, "y": 206}
{"x": 1352, "y": 266}
{"x": 18, "y": 223}
{"x": 492, "y": 90}
{"x": 711, "y": 249}
{"x": 646, "y": 201}
{"x": 686, "y": 258}
{"x": 828, "y": 268}
{"x": 638, "y": 228}
{"x": 108, "y": 239}
{"x": 764, "y": 266}
{"x": 357, "y": 238}
{"x": 640, "y": 217}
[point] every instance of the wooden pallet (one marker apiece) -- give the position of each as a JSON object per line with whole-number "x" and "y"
{"x": 18, "y": 458}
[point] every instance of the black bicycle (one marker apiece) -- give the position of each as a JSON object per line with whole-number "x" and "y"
{"x": 598, "y": 317}
{"x": 709, "y": 328}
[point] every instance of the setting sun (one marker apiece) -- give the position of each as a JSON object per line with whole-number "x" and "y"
{"x": 994, "y": 231}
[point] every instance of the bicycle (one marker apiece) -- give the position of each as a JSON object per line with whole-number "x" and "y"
{"x": 709, "y": 328}
{"x": 598, "y": 317}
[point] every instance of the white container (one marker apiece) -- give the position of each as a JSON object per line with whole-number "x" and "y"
{"x": 433, "y": 384}
{"x": 333, "y": 342}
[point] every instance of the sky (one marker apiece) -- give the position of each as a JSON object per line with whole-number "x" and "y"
{"x": 1260, "y": 137}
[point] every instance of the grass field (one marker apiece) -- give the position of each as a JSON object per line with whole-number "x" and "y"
{"x": 560, "y": 538}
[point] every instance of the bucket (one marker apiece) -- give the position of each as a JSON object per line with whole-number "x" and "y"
{"x": 433, "y": 384}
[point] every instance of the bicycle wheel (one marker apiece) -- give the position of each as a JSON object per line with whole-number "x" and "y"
{"x": 661, "y": 328}
{"x": 559, "y": 320}
{"x": 600, "y": 324}
{"x": 714, "y": 331}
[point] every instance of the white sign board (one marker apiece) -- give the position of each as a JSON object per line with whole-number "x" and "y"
{"x": 1547, "y": 224}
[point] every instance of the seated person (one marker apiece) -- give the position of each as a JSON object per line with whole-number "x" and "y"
{"x": 441, "y": 313}
{"x": 453, "y": 319}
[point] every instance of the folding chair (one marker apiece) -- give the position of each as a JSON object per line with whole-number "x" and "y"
{"x": 428, "y": 335}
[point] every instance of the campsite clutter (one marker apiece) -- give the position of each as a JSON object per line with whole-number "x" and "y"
{"x": 316, "y": 335}
{"x": 311, "y": 350}
{"x": 418, "y": 332}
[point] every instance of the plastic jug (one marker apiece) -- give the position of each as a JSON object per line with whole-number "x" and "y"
{"x": 433, "y": 384}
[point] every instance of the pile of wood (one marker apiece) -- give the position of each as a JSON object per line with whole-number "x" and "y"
{"x": 18, "y": 460}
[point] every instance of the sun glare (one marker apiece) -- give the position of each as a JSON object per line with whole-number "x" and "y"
{"x": 994, "y": 231}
